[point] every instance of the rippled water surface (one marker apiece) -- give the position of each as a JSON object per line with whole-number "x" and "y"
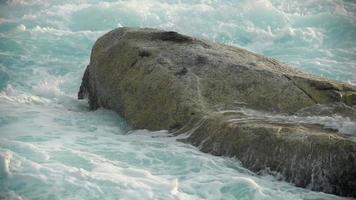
{"x": 52, "y": 147}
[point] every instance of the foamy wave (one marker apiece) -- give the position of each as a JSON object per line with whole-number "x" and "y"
{"x": 5, "y": 159}
{"x": 48, "y": 88}
{"x": 21, "y": 28}
{"x": 12, "y": 95}
{"x": 24, "y": 3}
{"x": 10, "y": 195}
{"x": 58, "y": 32}
{"x": 342, "y": 124}
{"x": 139, "y": 165}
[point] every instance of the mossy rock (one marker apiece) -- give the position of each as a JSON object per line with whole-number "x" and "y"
{"x": 349, "y": 98}
{"x": 165, "y": 80}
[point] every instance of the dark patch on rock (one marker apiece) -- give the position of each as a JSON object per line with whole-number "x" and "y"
{"x": 87, "y": 91}
{"x": 133, "y": 63}
{"x": 182, "y": 72}
{"x": 175, "y": 126}
{"x": 174, "y": 37}
{"x": 144, "y": 53}
{"x": 201, "y": 60}
{"x": 83, "y": 90}
{"x": 238, "y": 67}
{"x": 252, "y": 64}
{"x": 349, "y": 98}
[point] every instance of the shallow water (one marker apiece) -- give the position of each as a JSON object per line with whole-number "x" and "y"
{"x": 52, "y": 147}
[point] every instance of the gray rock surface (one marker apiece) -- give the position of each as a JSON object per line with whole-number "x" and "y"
{"x": 227, "y": 101}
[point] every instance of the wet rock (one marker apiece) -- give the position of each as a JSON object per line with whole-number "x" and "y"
{"x": 165, "y": 80}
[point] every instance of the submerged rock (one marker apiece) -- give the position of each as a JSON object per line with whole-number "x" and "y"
{"x": 228, "y": 101}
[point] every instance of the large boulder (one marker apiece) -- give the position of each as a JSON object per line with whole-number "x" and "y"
{"x": 228, "y": 101}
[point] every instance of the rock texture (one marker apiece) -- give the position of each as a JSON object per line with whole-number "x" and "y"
{"x": 164, "y": 80}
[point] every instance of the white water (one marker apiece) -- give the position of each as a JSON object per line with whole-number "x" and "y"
{"x": 52, "y": 147}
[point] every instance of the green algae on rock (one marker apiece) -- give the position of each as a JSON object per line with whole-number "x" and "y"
{"x": 165, "y": 80}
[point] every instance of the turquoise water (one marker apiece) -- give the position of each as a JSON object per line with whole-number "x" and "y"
{"x": 52, "y": 147}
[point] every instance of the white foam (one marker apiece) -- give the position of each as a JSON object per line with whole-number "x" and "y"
{"x": 61, "y": 32}
{"x": 27, "y": 149}
{"x": 12, "y": 95}
{"x": 342, "y": 124}
{"x": 49, "y": 88}
{"x": 10, "y": 195}
{"x": 5, "y": 160}
{"x": 21, "y": 27}
{"x": 65, "y": 10}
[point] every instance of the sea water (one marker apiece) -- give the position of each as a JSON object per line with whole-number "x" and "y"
{"x": 52, "y": 147}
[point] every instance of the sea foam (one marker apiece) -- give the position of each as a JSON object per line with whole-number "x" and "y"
{"x": 5, "y": 159}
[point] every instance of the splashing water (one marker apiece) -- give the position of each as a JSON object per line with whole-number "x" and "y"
{"x": 52, "y": 147}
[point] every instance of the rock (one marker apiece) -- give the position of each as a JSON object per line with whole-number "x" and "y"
{"x": 228, "y": 101}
